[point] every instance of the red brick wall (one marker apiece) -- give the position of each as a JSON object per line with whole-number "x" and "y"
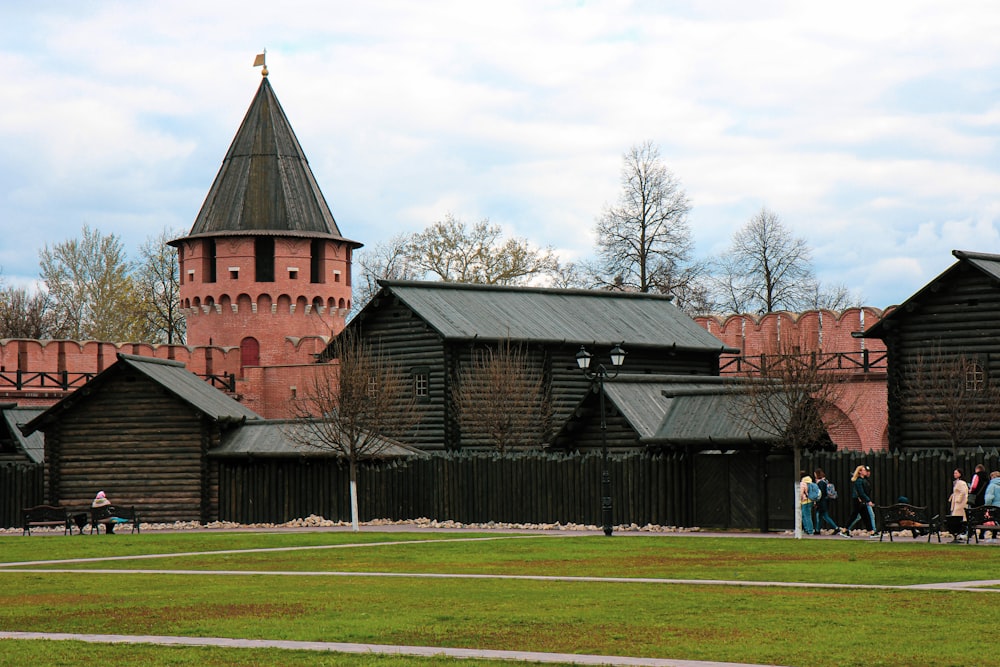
{"x": 859, "y": 421}
{"x": 236, "y": 306}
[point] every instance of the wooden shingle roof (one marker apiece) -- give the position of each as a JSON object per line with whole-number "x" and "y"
{"x": 265, "y": 185}
{"x": 460, "y": 311}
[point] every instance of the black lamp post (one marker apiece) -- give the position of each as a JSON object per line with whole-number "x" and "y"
{"x": 601, "y": 373}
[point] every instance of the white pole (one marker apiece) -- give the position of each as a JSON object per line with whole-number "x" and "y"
{"x": 354, "y": 506}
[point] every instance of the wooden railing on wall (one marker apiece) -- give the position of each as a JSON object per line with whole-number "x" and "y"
{"x": 65, "y": 381}
{"x": 862, "y": 361}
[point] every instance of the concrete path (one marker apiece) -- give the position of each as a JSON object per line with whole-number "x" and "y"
{"x": 379, "y": 649}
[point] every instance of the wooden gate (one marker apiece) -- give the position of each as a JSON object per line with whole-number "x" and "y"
{"x": 728, "y": 491}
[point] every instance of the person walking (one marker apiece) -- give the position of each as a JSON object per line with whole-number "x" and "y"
{"x": 823, "y": 505}
{"x": 992, "y": 497}
{"x": 959, "y": 498}
{"x": 806, "y": 502}
{"x": 977, "y": 490}
{"x": 977, "y": 486}
{"x": 861, "y": 501}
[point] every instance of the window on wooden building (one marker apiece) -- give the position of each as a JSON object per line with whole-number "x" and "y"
{"x": 975, "y": 376}
{"x": 372, "y": 386}
{"x": 421, "y": 383}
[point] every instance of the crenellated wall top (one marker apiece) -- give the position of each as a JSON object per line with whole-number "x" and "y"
{"x": 819, "y": 329}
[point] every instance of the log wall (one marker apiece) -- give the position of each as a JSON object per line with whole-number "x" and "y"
{"x": 958, "y": 316}
{"x": 138, "y": 444}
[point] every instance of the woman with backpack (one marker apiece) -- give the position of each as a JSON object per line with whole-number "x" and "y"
{"x": 806, "y": 501}
{"x": 827, "y": 493}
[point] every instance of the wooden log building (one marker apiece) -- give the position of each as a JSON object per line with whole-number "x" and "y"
{"x": 954, "y": 316}
{"x": 432, "y": 330}
{"x": 140, "y": 431}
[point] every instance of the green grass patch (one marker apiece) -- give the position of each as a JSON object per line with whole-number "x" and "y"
{"x": 899, "y": 563}
{"x": 766, "y": 625}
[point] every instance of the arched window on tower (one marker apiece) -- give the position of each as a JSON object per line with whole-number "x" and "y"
{"x": 264, "y": 255}
{"x": 249, "y": 352}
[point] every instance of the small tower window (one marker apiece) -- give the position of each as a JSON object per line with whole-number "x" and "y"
{"x": 317, "y": 259}
{"x": 208, "y": 261}
{"x": 264, "y": 257}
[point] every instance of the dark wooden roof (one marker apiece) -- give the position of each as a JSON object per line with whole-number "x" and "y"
{"x": 265, "y": 185}
{"x": 271, "y": 438}
{"x": 684, "y": 410}
{"x": 458, "y": 311}
{"x": 33, "y": 445}
{"x": 171, "y": 375}
{"x": 988, "y": 264}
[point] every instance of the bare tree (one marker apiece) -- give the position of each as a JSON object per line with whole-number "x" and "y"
{"x": 158, "y": 278}
{"x": 454, "y": 252}
{"x": 386, "y": 260}
{"x": 92, "y": 291}
{"x": 767, "y": 269}
{"x": 26, "y": 314}
{"x": 644, "y": 242}
{"x": 354, "y": 406}
{"x": 950, "y": 393}
{"x": 795, "y": 402}
{"x": 832, "y": 296}
{"x": 502, "y": 398}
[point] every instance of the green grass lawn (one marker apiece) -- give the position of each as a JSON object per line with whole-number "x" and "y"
{"x": 768, "y": 625}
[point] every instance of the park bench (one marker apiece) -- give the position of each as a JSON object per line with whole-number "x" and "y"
{"x": 983, "y": 517}
{"x": 113, "y": 514}
{"x": 902, "y": 517}
{"x": 49, "y": 516}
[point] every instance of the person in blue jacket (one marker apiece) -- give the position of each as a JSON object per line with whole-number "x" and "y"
{"x": 861, "y": 500}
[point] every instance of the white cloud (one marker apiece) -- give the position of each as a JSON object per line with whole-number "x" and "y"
{"x": 855, "y": 131}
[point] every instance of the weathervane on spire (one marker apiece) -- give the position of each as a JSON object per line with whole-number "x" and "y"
{"x": 259, "y": 62}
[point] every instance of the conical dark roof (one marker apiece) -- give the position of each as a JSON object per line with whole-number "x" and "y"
{"x": 265, "y": 185}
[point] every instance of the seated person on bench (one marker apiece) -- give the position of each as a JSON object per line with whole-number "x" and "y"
{"x": 100, "y": 501}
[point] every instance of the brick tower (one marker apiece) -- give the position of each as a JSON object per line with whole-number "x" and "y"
{"x": 264, "y": 264}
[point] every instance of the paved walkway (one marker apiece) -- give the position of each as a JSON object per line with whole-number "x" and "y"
{"x": 420, "y": 651}
{"x": 379, "y": 649}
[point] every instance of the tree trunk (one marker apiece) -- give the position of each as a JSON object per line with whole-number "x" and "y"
{"x": 354, "y": 496}
{"x": 797, "y": 505}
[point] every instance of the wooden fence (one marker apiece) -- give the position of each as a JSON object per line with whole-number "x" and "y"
{"x": 539, "y": 487}
{"x": 460, "y": 486}
{"x": 21, "y": 486}
{"x": 476, "y": 487}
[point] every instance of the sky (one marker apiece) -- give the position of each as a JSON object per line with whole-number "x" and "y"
{"x": 871, "y": 128}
